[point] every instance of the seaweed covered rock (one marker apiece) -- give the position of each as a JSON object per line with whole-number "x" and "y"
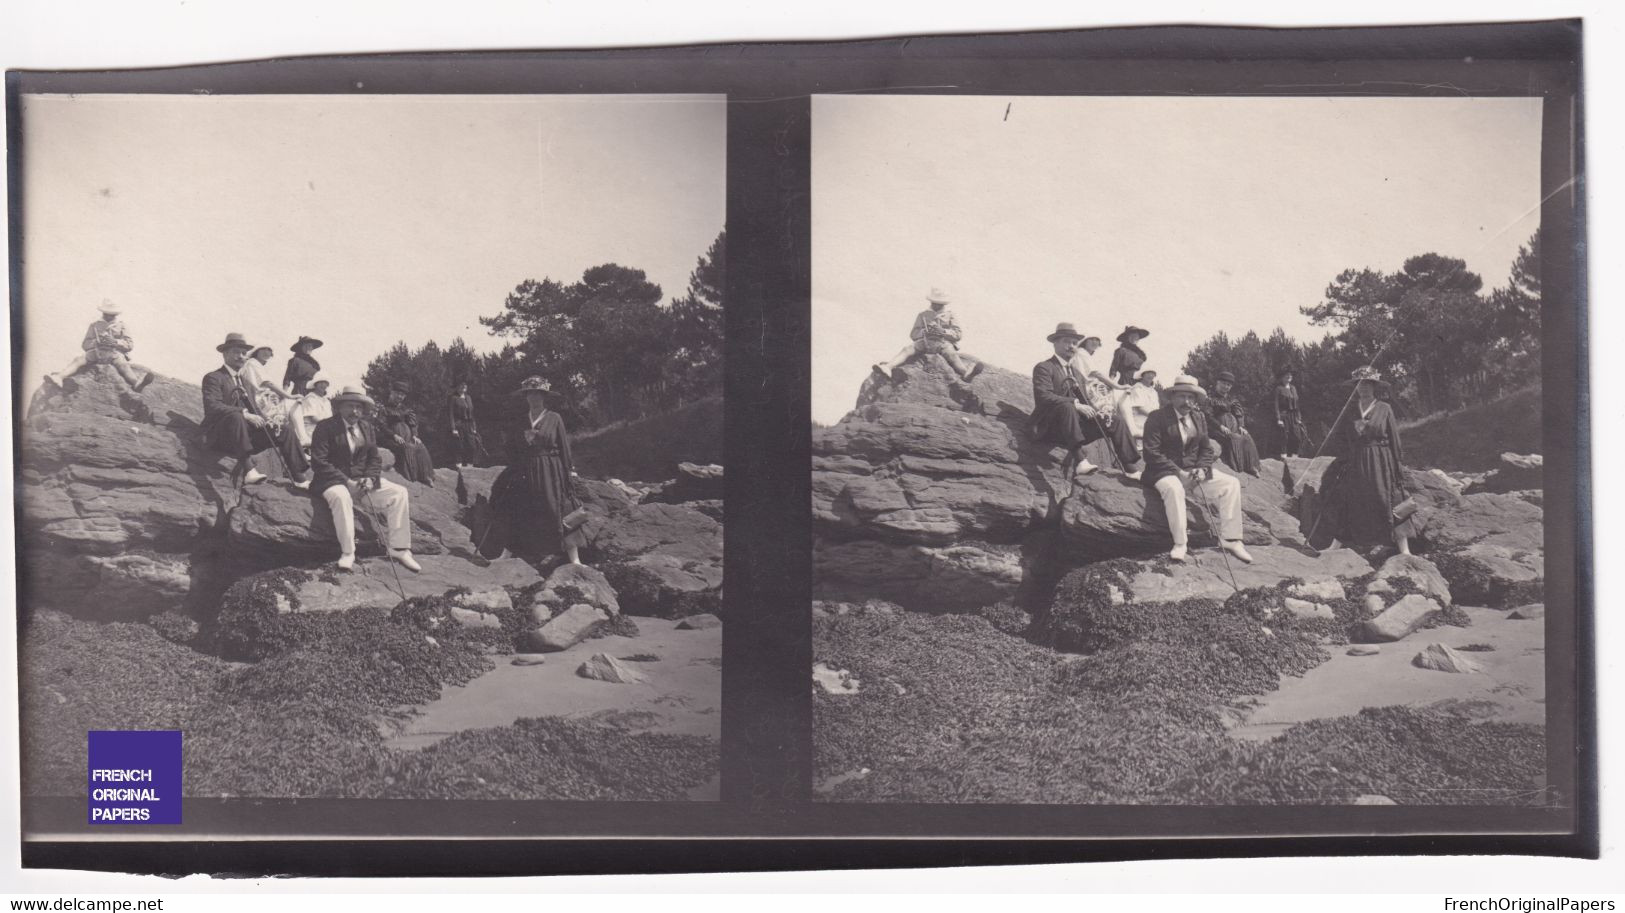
{"x": 1420, "y": 571}
{"x": 1490, "y": 548}
{"x": 256, "y": 611}
{"x": 568, "y": 585}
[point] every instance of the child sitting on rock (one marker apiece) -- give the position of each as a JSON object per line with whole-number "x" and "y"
{"x": 105, "y": 343}
{"x": 935, "y": 331}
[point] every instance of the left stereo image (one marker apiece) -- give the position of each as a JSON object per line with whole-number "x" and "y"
{"x": 372, "y": 443}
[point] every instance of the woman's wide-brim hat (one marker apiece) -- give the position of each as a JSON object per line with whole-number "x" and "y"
{"x": 109, "y": 308}
{"x": 535, "y": 384}
{"x": 311, "y": 341}
{"x": 1131, "y": 331}
{"x": 258, "y": 349}
{"x": 1368, "y": 373}
{"x": 1089, "y": 339}
{"x": 234, "y": 341}
{"x": 937, "y": 296}
{"x": 1064, "y": 331}
{"x": 353, "y": 394}
{"x": 318, "y": 378}
{"x": 1185, "y": 383}
{"x": 1146, "y": 372}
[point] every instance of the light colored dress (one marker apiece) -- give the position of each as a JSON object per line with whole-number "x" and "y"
{"x": 1138, "y": 402}
{"x": 306, "y": 412}
{"x": 1102, "y": 397}
{"x": 273, "y": 408}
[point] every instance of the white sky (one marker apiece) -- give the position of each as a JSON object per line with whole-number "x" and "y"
{"x": 1186, "y": 216}
{"x": 362, "y": 220}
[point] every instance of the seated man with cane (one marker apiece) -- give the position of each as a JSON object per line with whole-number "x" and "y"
{"x": 344, "y": 459}
{"x": 1179, "y": 458}
{"x": 1062, "y": 414}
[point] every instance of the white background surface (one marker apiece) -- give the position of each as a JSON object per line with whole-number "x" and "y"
{"x": 130, "y": 33}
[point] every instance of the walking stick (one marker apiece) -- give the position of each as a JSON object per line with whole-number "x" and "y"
{"x": 1215, "y": 520}
{"x": 378, "y": 530}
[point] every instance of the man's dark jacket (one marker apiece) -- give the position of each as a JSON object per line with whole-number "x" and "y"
{"x": 331, "y": 460}
{"x": 1166, "y": 452}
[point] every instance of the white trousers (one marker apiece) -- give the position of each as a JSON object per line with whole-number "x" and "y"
{"x": 1222, "y": 492}
{"x": 389, "y": 502}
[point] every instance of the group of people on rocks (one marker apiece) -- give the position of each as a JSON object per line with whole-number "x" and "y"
{"x": 330, "y": 447}
{"x": 1175, "y": 447}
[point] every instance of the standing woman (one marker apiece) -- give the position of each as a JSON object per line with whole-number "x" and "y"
{"x": 541, "y": 496}
{"x": 1293, "y": 436}
{"x": 1129, "y": 357}
{"x": 1368, "y": 476}
{"x": 302, "y": 367}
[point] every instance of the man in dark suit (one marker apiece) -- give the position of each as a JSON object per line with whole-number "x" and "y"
{"x": 1062, "y": 414}
{"x": 345, "y": 462}
{"x": 232, "y": 424}
{"x": 1179, "y": 457}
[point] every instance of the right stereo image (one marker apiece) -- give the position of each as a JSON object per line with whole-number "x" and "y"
{"x": 1178, "y": 451}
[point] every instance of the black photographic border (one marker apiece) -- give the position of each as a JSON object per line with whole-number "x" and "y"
{"x": 766, "y": 739}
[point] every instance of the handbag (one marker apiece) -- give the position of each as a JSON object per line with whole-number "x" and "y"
{"x": 1404, "y": 515}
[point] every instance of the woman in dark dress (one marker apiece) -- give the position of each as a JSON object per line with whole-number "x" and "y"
{"x": 540, "y": 492}
{"x": 1129, "y": 357}
{"x": 398, "y": 431}
{"x": 1367, "y": 478}
{"x": 1293, "y": 436}
{"x": 1228, "y": 422}
{"x": 301, "y": 367}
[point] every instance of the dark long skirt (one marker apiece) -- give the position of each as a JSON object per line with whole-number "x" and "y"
{"x": 1293, "y": 436}
{"x": 1366, "y": 487}
{"x": 1240, "y": 453}
{"x": 536, "y": 505}
{"x": 1062, "y": 426}
{"x": 412, "y": 461}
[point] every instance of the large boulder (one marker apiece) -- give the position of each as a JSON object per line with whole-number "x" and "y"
{"x": 1420, "y": 571}
{"x": 116, "y": 495}
{"x": 661, "y": 559}
{"x": 1400, "y": 619}
{"x": 926, "y": 578}
{"x": 1109, "y": 515}
{"x": 276, "y": 524}
{"x": 374, "y": 582}
{"x": 1517, "y": 472}
{"x": 1490, "y": 548}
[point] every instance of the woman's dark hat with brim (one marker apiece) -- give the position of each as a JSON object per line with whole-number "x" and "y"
{"x": 400, "y": 386}
{"x": 1064, "y": 331}
{"x": 234, "y": 341}
{"x": 1225, "y": 375}
{"x": 1130, "y": 331}
{"x": 311, "y": 341}
{"x": 535, "y": 384}
{"x": 1285, "y": 370}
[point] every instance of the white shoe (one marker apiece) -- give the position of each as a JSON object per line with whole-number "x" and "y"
{"x": 883, "y": 371}
{"x": 404, "y": 558}
{"x": 1135, "y": 475}
{"x": 1234, "y": 547}
{"x": 54, "y": 380}
{"x": 253, "y": 475}
{"x": 1083, "y": 468}
{"x": 347, "y": 562}
{"x": 302, "y": 485}
{"x": 1177, "y": 553}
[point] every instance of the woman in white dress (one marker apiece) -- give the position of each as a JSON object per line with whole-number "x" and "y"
{"x": 1138, "y": 402}
{"x": 271, "y": 399}
{"x": 303, "y": 416}
{"x": 1103, "y": 392}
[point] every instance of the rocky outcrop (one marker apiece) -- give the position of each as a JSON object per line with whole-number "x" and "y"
{"x": 932, "y": 492}
{"x": 1400, "y": 619}
{"x": 124, "y": 515}
{"x": 662, "y": 559}
{"x": 1207, "y": 574}
{"x": 1517, "y": 472}
{"x": 1110, "y": 516}
{"x": 1418, "y": 570}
